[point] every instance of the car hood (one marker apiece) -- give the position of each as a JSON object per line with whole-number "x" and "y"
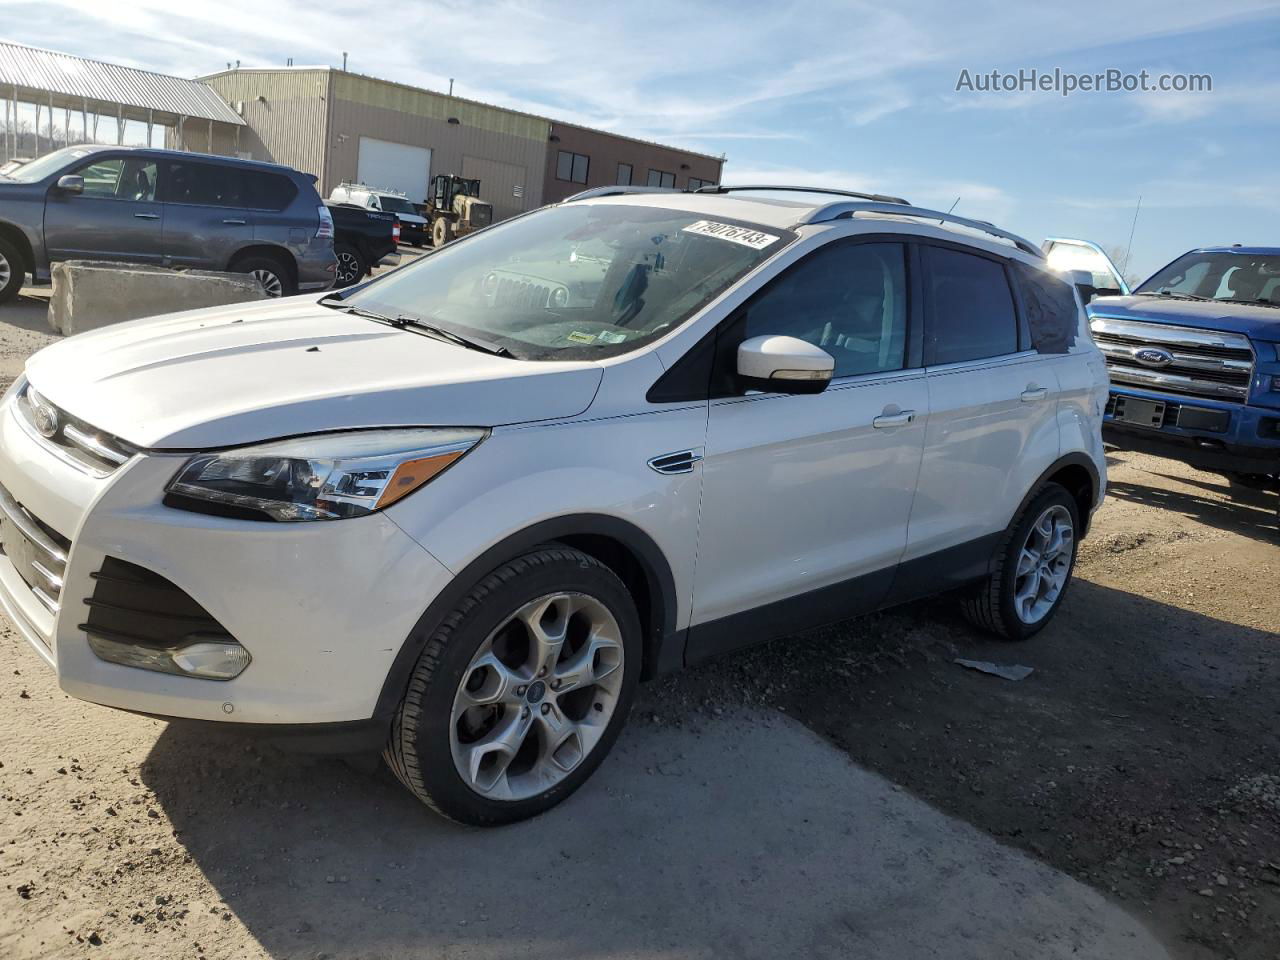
{"x": 1262, "y": 323}
{"x": 410, "y": 218}
{"x": 235, "y": 375}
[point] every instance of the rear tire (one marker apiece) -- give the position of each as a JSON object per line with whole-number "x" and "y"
{"x": 275, "y": 277}
{"x": 351, "y": 265}
{"x": 1033, "y": 568}
{"x": 13, "y": 272}
{"x": 500, "y": 722}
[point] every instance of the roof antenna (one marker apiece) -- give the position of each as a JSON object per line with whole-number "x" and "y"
{"x": 1128, "y": 251}
{"x": 950, "y": 208}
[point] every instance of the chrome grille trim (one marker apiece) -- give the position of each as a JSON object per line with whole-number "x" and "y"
{"x": 1205, "y": 363}
{"x": 51, "y": 565}
{"x": 74, "y": 442}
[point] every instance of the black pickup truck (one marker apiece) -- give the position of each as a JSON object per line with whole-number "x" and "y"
{"x": 362, "y": 240}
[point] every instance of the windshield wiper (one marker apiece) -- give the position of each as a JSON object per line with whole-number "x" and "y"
{"x": 1260, "y": 302}
{"x": 440, "y": 333}
{"x": 1171, "y": 296}
{"x": 403, "y": 322}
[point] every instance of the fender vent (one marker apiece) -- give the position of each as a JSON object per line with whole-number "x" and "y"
{"x": 679, "y": 462}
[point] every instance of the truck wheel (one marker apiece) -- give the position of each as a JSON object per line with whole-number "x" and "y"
{"x": 13, "y": 272}
{"x": 275, "y": 278}
{"x": 440, "y": 232}
{"x": 521, "y": 691}
{"x": 351, "y": 266}
{"x": 1033, "y": 567}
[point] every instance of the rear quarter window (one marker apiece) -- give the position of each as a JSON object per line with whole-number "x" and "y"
{"x": 269, "y": 191}
{"x": 1049, "y": 306}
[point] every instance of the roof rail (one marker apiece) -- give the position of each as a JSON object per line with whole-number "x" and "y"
{"x": 840, "y": 211}
{"x": 617, "y": 191}
{"x": 875, "y": 197}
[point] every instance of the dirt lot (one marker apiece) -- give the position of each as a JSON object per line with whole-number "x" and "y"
{"x": 1141, "y": 756}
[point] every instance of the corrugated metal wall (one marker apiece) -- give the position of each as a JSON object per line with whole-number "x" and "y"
{"x": 288, "y": 124}
{"x": 502, "y": 184}
{"x": 363, "y": 107}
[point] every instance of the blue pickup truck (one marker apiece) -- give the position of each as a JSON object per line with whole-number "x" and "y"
{"x": 1194, "y": 358}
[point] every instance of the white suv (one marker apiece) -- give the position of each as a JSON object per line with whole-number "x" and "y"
{"x": 458, "y": 512}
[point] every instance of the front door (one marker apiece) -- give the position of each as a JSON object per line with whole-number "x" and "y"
{"x": 117, "y": 216}
{"x": 806, "y": 498}
{"x": 205, "y": 213}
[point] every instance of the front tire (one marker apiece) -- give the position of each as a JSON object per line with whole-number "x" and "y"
{"x": 521, "y": 691}
{"x": 1034, "y": 564}
{"x": 12, "y": 272}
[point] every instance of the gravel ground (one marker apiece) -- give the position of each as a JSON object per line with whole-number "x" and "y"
{"x": 1141, "y": 755}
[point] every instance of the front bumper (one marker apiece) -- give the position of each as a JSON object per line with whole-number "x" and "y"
{"x": 1207, "y": 434}
{"x": 322, "y": 607}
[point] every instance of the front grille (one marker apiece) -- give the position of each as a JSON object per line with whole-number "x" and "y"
{"x": 37, "y": 551}
{"x": 68, "y": 437}
{"x": 1203, "y": 363}
{"x": 131, "y": 604}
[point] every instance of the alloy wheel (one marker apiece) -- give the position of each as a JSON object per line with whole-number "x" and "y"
{"x": 537, "y": 696}
{"x": 1044, "y": 564}
{"x": 271, "y": 283}
{"x": 6, "y": 271}
{"x": 348, "y": 268}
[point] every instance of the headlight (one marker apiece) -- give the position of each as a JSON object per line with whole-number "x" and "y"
{"x": 325, "y": 477}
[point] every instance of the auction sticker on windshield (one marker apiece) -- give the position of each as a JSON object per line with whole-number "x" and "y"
{"x": 755, "y": 239}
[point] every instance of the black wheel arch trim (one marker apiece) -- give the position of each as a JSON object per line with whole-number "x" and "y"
{"x": 1074, "y": 459}
{"x": 663, "y": 648}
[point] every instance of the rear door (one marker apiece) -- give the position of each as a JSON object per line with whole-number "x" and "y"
{"x": 992, "y": 404}
{"x": 117, "y": 217}
{"x": 206, "y": 215}
{"x": 806, "y": 498}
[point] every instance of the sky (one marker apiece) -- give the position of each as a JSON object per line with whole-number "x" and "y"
{"x": 853, "y": 95}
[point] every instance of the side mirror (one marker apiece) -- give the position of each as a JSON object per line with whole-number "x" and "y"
{"x": 71, "y": 183}
{"x": 784, "y": 365}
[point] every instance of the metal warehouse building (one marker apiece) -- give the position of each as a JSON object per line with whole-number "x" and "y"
{"x": 346, "y": 126}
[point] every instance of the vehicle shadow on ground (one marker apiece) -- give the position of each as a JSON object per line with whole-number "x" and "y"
{"x": 1248, "y": 512}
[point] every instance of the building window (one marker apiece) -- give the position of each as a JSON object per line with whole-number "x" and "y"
{"x": 660, "y": 178}
{"x": 696, "y": 184}
{"x": 572, "y": 167}
{"x": 624, "y": 174}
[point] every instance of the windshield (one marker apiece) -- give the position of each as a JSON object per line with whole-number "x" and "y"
{"x": 395, "y": 204}
{"x": 1243, "y": 277}
{"x": 41, "y": 167}
{"x": 578, "y": 281}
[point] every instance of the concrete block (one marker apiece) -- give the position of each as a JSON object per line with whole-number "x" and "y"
{"x": 88, "y": 294}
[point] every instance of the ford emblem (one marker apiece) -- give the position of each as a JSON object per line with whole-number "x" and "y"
{"x": 45, "y": 418}
{"x": 1153, "y": 357}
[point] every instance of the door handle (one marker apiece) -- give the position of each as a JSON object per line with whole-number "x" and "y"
{"x": 236, "y": 223}
{"x": 894, "y": 419}
{"x": 1032, "y": 394}
{"x": 147, "y": 216}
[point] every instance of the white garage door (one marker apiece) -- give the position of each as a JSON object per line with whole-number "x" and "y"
{"x": 395, "y": 166}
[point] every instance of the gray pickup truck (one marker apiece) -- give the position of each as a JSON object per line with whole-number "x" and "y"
{"x": 168, "y": 208}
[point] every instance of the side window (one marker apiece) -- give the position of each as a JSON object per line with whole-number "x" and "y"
{"x": 971, "y": 314}
{"x": 132, "y": 178}
{"x": 850, "y": 299}
{"x": 205, "y": 184}
{"x": 268, "y": 191}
